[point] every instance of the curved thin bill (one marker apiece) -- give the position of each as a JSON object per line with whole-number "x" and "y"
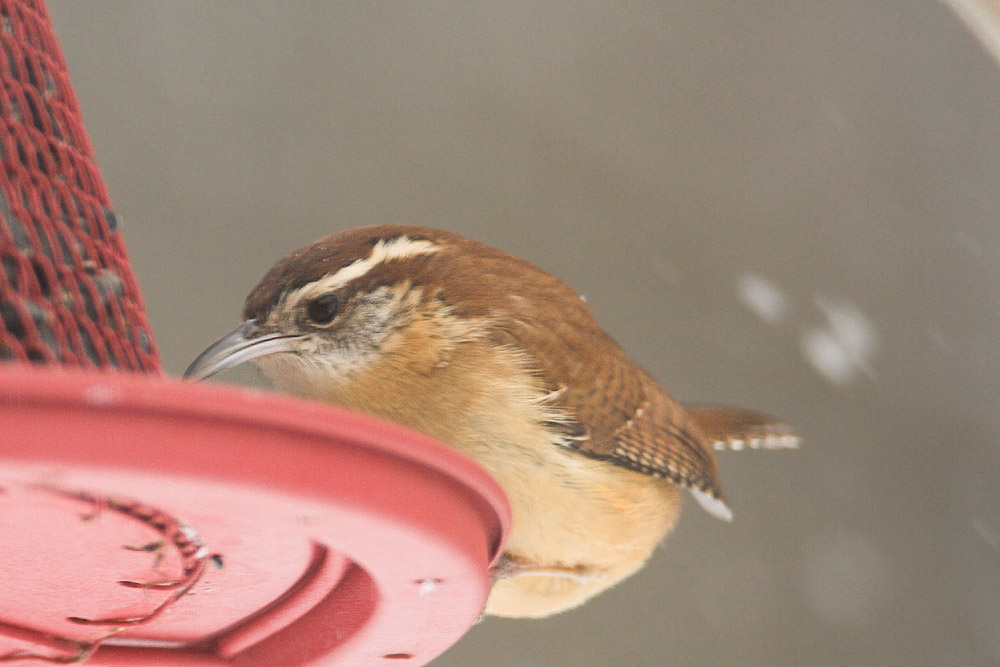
{"x": 243, "y": 343}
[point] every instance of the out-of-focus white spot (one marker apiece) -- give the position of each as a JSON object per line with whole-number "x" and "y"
{"x": 850, "y": 326}
{"x": 762, "y": 297}
{"x": 845, "y": 578}
{"x": 827, "y": 356}
{"x": 99, "y": 394}
{"x": 844, "y": 347}
{"x": 987, "y": 532}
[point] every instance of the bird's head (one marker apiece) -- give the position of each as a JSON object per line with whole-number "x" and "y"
{"x": 362, "y": 298}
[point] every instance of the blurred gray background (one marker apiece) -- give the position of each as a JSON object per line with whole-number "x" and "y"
{"x": 790, "y": 206}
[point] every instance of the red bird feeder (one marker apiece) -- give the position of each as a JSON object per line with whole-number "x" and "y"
{"x": 145, "y": 521}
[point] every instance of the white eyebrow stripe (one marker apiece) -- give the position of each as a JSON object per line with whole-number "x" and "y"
{"x": 400, "y": 247}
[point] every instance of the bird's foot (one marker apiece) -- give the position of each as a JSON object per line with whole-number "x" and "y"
{"x": 509, "y": 568}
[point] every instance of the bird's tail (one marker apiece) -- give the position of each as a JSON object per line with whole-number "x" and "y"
{"x": 733, "y": 429}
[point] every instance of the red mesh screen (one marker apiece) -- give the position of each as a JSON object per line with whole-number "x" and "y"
{"x": 67, "y": 293}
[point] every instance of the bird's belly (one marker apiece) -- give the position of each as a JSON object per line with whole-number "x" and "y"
{"x": 569, "y": 511}
{"x": 575, "y": 513}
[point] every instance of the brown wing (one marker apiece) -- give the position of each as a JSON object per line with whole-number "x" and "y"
{"x": 618, "y": 413}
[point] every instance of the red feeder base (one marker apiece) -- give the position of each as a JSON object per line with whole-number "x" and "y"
{"x": 145, "y": 521}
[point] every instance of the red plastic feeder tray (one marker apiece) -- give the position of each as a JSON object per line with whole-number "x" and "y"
{"x": 145, "y": 521}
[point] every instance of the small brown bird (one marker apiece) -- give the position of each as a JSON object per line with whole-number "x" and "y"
{"x": 504, "y": 362}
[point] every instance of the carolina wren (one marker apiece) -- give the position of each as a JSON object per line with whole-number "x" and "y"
{"x": 505, "y": 362}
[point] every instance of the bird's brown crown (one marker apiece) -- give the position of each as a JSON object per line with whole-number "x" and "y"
{"x": 473, "y": 278}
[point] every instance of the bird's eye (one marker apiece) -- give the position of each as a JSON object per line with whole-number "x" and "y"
{"x": 323, "y": 308}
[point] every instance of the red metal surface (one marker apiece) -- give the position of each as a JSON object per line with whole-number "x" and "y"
{"x": 146, "y": 522}
{"x": 198, "y": 524}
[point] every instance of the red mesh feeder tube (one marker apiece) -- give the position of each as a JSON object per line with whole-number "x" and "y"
{"x": 67, "y": 293}
{"x": 145, "y": 521}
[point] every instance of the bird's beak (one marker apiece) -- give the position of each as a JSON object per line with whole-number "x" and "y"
{"x": 243, "y": 343}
